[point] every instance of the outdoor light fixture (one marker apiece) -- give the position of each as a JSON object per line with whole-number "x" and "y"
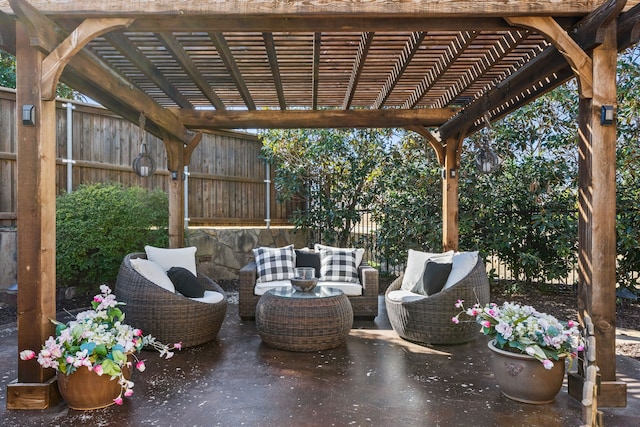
{"x": 143, "y": 165}
{"x": 606, "y": 115}
{"x": 28, "y": 115}
{"x": 486, "y": 160}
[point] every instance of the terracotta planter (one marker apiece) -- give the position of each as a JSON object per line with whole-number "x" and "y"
{"x": 85, "y": 390}
{"x": 523, "y": 378}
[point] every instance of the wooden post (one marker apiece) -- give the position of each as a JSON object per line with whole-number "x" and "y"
{"x": 35, "y": 387}
{"x": 596, "y": 225}
{"x": 450, "y": 196}
{"x": 178, "y": 155}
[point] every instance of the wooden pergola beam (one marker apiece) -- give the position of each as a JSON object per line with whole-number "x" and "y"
{"x": 270, "y": 47}
{"x": 358, "y": 64}
{"x": 222, "y": 47}
{"x": 292, "y": 119}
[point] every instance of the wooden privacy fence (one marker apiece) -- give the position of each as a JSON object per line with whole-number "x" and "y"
{"x": 225, "y": 180}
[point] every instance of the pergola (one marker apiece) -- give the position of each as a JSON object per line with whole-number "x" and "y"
{"x": 433, "y": 67}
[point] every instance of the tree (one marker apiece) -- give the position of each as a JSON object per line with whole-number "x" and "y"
{"x": 333, "y": 172}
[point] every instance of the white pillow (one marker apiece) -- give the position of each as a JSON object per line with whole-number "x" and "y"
{"x": 359, "y": 252}
{"x": 178, "y": 257}
{"x": 416, "y": 261}
{"x": 153, "y": 272}
{"x": 463, "y": 263}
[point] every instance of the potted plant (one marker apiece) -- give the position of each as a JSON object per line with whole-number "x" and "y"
{"x": 94, "y": 352}
{"x": 529, "y": 348}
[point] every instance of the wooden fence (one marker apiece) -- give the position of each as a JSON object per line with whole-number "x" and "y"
{"x": 226, "y": 181}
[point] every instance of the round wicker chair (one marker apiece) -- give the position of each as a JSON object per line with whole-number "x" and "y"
{"x": 428, "y": 321}
{"x": 169, "y": 317}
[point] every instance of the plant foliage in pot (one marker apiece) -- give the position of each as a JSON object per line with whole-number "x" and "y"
{"x": 529, "y": 348}
{"x": 96, "y": 345}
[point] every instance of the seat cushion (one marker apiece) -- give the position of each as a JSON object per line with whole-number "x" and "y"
{"x": 404, "y": 296}
{"x": 275, "y": 263}
{"x": 185, "y": 282}
{"x": 153, "y": 273}
{"x": 210, "y": 297}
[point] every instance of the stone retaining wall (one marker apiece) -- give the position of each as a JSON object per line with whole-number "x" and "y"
{"x": 222, "y": 252}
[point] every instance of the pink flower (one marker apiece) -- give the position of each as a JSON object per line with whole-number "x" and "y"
{"x": 118, "y": 400}
{"x": 486, "y": 324}
{"x": 128, "y": 393}
{"x": 98, "y": 370}
{"x": 97, "y": 298}
{"x": 548, "y": 364}
{"x": 178, "y": 346}
{"x": 580, "y": 347}
{"x": 137, "y": 332}
{"x": 459, "y": 303}
{"x": 27, "y": 355}
{"x": 140, "y": 365}
{"x": 455, "y": 320}
{"x": 571, "y": 323}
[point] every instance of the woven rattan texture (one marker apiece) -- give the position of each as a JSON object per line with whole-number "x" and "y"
{"x": 303, "y": 324}
{"x": 365, "y": 305}
{"x": 429, "y": 320}
{"x": 167, "y": 316}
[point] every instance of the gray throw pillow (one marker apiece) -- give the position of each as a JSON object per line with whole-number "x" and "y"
{"x": 433, "y": 279}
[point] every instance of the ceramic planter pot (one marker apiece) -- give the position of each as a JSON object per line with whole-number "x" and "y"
{"x": 85, "y": 390}
{"x": 523, "y": 378}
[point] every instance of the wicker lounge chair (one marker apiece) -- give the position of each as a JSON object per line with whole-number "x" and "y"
{"x": 167, "y": 316}
{"x": 364, "y": 306}
{"x": 428, "y": 320}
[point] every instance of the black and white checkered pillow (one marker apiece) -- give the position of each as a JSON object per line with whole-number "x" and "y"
{"x": 275, "y": 263}
{"x": 338, "y": 266}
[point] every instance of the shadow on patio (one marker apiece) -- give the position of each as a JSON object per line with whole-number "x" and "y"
{"x": 376, "y": 379}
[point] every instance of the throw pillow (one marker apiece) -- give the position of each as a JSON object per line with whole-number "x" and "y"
{"x": 185, "y": 282}
{"x": 416, "y": 261}
{"x": 275, "y": 263}
{"x": 359, "y": 252}
{"x": 463, "y": 263}
{"x": 338, "y": 266}
{"x": 308, "y": 259}
{"x": 153, "y": 273}
{"x": 178, "y": 257}
{"x": 433, "y": 279}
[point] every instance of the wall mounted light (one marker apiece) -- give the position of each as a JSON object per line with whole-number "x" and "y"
{"x": 452, "y": 173}
{"x": 28, "y": 115}
{"x": 606, "y": 115}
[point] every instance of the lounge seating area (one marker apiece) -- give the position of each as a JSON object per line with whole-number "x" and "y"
{"x": 361, "y": 286}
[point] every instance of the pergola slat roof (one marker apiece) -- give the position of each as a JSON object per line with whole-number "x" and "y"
{"x": 378, "y": 55}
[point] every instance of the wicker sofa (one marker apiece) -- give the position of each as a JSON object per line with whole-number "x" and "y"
{"x": 428, "y": 320}
{"x": 168, "y": 316}
{"x": 364, "y": 306}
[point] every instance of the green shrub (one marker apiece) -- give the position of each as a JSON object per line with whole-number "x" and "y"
{"x": 98, "y": 224}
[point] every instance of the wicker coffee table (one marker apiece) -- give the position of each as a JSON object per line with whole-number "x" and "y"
{"x": 304, "y": 321}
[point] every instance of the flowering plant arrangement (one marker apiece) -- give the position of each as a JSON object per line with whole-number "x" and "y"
{"x": 98, "y": 340}
{"x": 523, "y": 329}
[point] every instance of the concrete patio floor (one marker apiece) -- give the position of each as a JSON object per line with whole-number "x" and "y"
{"x": 374, "y": 379}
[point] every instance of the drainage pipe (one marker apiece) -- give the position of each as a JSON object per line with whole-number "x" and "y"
{"x": 186, "y": 197}
{"x": 267, "y": 181}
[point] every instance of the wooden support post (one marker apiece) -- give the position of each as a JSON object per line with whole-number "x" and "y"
{"x": 36, "y": 212}
{"x": 450, "y": 196}
{"x": 178, "y": 155}
{"x": 596, "y": 225}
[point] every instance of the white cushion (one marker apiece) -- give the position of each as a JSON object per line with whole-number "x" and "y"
{"x": 405, "y": 296}
{"x": 359, "y": 252}
{"x": 350, "y": 289}
{"x": 263, "y": 287}
{"x": 153, "y": 272}
{"x": 178, "y": 257}
{"x": 210, "y": 297}
{"x": 416, "y": 261}
{"x": 275, "y": 263}
{"x": 463, "y": 263}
